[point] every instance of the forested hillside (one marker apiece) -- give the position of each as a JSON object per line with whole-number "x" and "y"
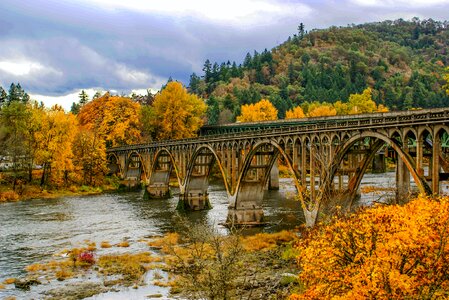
{"x": 403, "y": 62}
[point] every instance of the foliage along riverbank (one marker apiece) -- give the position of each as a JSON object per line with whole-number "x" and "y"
{"x": 33, "y": 190}
{"x": 384, "y": 252}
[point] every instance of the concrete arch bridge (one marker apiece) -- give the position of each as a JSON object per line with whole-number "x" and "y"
{"x": 326, "y": 156}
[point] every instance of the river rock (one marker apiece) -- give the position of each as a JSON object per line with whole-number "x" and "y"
{"x": 75, "y": 291}
{"x": 25, "y": 283}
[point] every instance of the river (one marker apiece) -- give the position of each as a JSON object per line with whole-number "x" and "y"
{"x": 33, "y": 231}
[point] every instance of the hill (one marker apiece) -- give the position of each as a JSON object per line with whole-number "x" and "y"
{"x": 402, "y": 61}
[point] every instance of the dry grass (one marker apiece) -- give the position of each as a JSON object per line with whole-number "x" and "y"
{"x": 105, "y": 244}
{"x": 130, "y": 266}
{"x": 123, "y": 244}
{"x": 9, "y": 281}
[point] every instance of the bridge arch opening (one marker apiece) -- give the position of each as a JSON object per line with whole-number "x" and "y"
{"x": 200, "y": 168}
{"x": 114, "y": 165}
{"x": 136, "y": 172}
{"x": 161, "y": 171}
{"x": 245, "y": 207}
{"x": 357, "y": 155}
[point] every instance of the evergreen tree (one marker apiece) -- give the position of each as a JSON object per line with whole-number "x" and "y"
{"x": 84, "y": 98}
{"x": 213, "y": 111}
{"x": 75, "y": 109}
{"x": 13, "y": 93}
{"x": 194, "y": 83}
{"x": 3, "y": 97}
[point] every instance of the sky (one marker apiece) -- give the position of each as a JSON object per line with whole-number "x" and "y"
{"x": 55, "y": 48}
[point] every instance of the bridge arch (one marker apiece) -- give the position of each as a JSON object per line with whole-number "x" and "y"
{"x": 114, "y": 165}
{"x": 245, "y": 205}
{"x": 135, "y": 167}
{"x": 379, "y": 141}
{"x": 161, "y": 168}
{"x": 216, "y": 159}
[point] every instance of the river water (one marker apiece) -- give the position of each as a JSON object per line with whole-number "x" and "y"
{"x": 33, "y": 231}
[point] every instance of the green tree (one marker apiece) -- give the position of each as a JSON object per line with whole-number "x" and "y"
{"x": 84, "y": 98}
{"x": 3, "y": 97}
{"x": 213, "y": 111}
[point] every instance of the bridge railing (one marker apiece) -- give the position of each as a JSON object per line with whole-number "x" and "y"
{"x": 319, "y": 124}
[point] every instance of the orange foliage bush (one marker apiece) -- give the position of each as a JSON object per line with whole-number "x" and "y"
{"x": 266, "y": 241}
{"x": 8, "y": 196}
{"x": 385, "y": 252}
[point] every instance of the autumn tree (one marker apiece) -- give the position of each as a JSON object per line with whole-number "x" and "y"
{"x": 260, "y": 111}
{"x": 175, "y": 113}
{"x": 89, "y": 156}
{"x": 362, "y": 103}
{"x": 115, "y": 119}
{"x": 323, "y": 110}
{"x": 295, "y": 113}
{"x": 55, "y": 146}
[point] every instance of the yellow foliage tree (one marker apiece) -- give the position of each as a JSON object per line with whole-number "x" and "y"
{"x": 341, "y": 108}
{"x": 260, "y": 111}
{"x": 295, "y": 113}
{"x": 385, "y": 252}
{"x": 322, "y": 111}
{"x": 115, "y": 119}
{"x": 362, "y": 103}
{"x": 54, "y": 145}
{"x": 175, "y": 113}
{"x": 89, "y": 157}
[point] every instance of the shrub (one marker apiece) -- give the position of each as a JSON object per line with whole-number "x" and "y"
{"x": 387, "y": 252}
{"x": 9, "y": 196}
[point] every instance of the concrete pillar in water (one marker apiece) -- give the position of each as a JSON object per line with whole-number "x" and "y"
{"x": 379, "y": 165}
{"x": 273, "y": 182}
{"x": 246, "y": 208}
{"x": 195, "y": 197}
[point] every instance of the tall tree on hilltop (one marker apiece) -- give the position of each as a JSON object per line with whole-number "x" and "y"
{"x": 260, "y": 111}
{"x": 84, "y": 98}
{"x": 176, "y": 113}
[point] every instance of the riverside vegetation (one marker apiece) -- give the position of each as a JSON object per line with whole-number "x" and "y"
{"x": 384, "y": 251}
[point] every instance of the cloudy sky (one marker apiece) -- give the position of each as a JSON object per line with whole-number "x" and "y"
{"x": 55, "y": 48}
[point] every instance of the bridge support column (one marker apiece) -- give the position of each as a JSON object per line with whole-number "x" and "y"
{"x": 248, "y": 209}
{"x": 435, "y": 166}
{"x": 195, "y": 196}
{"x": 194, "y": 201}
{"x": 158, "y": 190}
{"x": 379, "y": 163}
{"x": 402, "y": 182}
{"x": 273, "y": 182}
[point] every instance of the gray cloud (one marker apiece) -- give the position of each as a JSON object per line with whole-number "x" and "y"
{"x": 64, "y": 46}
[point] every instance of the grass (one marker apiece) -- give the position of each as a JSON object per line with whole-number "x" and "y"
{"x": 9, "y": 281}
{"x": 130, "y": 266}
{"x": 123, "y": 244}
{"x": 105, "y": 244}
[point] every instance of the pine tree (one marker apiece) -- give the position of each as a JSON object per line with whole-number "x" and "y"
{"x": 84, "y": 98}
{"x": 3, "y": 97}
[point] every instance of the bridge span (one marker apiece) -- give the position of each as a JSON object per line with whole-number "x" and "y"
{"x": 326, "y": 156}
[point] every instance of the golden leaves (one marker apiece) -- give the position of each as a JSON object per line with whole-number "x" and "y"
{"x": 260, "y": 111}
{"x": 392, "y": 252}
{"x": 295, "y": 113}
{"x": 176, "y": 114}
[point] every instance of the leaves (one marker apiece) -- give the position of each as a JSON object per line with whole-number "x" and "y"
{"x": 388, "y": 252}
{"x": 175, "y": 113}
{"x": 260, "y": 111}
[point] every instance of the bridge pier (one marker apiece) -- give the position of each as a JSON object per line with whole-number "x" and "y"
{"x": 158, "y": 190}
{"x": 194, "y": 200}
{"x": 245, "y": 217}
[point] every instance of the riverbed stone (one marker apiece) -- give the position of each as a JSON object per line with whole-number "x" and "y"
{"x": 26, "y": 283}
{"x": 75, "y": 291}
